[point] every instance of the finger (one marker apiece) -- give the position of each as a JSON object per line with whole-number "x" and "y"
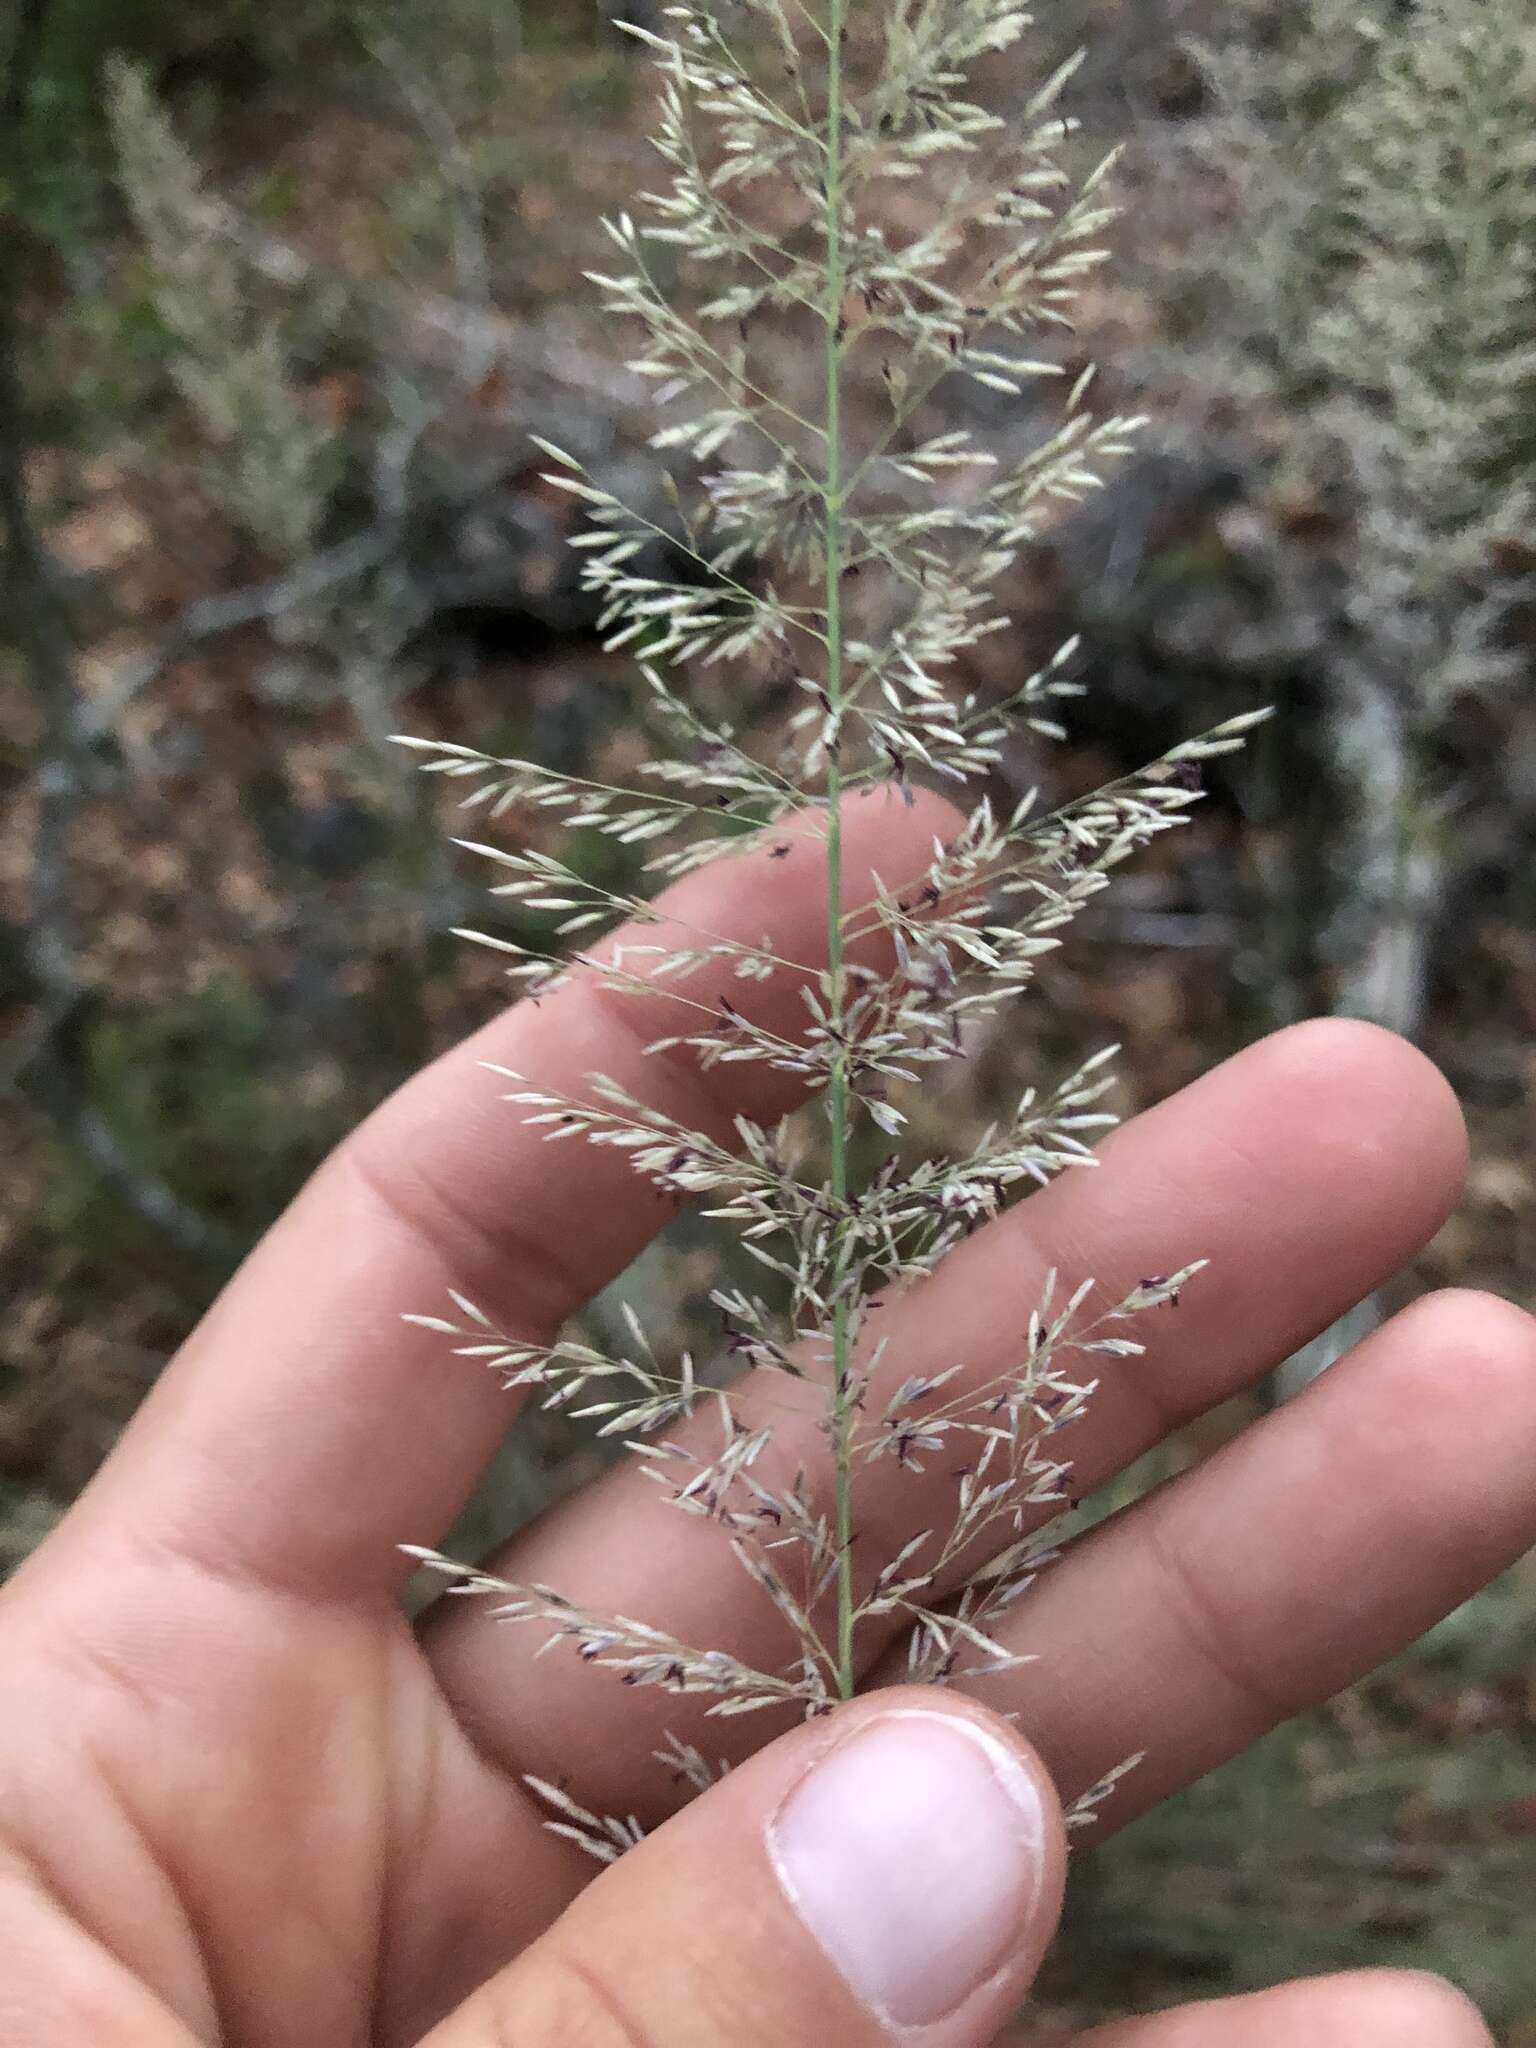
{"x": 1306, "y": 1169}
{"x": 1363, "y": 2009}
{"x": 890, "y": 1874}
{"x": 1290, "y": 1564}
{"x": 305, "y": 1431}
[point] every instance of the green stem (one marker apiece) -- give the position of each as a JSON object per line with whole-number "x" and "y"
{"x": 838, "y": 1105}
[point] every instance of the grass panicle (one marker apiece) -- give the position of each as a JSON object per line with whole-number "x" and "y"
{"x": 849, "y": 555}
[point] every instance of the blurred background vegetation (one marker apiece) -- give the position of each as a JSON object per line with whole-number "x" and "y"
{"x": 278, "y": 307}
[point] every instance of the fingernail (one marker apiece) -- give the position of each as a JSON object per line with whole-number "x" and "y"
{"x": 913, "y": 1852}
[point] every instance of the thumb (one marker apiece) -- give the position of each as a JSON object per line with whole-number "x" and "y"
{"x": 890, "y": 1874}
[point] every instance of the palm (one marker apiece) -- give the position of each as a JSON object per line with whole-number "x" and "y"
{"x": 242, "y": 1801}
{"x": 304, "y": 1845}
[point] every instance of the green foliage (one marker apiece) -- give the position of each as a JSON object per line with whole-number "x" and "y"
{"x": 1380, "y": 290}
{"x": 1428, "y": 347}
{"x": 194, "y": 1095}
{"x": 274, "y": 463}
{"x": 60, "y": 192}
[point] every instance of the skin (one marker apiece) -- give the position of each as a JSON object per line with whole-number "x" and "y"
{"x": 242, "y": 1801}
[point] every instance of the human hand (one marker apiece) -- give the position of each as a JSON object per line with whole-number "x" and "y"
{"x": 243, "y": 1801}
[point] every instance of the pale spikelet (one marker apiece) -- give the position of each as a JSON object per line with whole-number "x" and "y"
{"x": 854, "y": 567}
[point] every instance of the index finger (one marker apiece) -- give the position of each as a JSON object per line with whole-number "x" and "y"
{"x": 305, "y": 1429}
